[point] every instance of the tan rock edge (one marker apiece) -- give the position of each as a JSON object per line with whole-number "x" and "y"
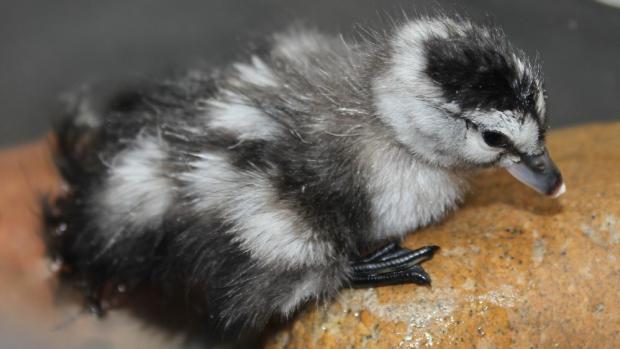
{"x": 515, "y": 269}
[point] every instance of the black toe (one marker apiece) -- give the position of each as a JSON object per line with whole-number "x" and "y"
{"x": 393, "y": 265}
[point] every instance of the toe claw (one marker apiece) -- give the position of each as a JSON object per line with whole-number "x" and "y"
{"x": 419, "y": 276}
{"x": 429, "y": 250}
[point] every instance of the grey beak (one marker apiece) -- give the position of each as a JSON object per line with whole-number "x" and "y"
{"x": 540, "y": 173}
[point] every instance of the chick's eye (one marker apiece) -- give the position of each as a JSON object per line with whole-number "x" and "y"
{"x": 495, "y": 139}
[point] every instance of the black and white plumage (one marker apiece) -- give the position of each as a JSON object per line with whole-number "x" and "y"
{"x": 250, "y": 191}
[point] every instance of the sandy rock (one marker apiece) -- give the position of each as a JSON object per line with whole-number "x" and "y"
{"x": 515, "y": 269}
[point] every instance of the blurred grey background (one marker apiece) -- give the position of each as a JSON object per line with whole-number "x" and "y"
{"x": 47, "y": 47}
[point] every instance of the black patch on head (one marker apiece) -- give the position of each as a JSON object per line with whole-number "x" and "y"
{"x": 476, "y": 69}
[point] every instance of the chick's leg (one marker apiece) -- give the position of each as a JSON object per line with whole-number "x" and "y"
{"x": 392, "y": 264}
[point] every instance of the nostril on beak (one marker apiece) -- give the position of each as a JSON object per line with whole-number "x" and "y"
{"x": 539, "y": 164}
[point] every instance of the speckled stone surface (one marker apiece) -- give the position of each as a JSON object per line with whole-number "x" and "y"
{"x": 515, "y": 269}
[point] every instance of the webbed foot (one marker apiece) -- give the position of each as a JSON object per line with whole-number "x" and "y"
{"x": 391, "y": 265}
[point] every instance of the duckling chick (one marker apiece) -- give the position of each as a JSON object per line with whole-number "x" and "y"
{"x": 247, "y": 192}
